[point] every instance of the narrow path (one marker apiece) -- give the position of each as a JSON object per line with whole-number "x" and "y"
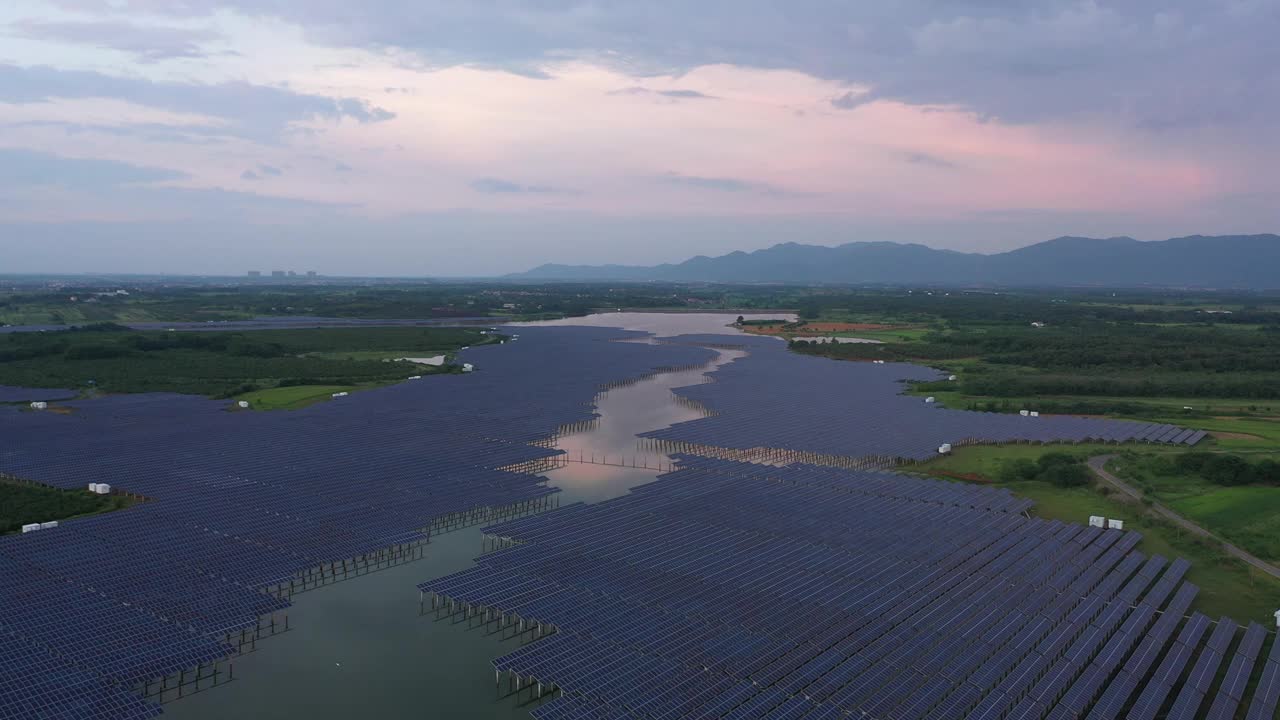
{"x": 1098, "y": 464}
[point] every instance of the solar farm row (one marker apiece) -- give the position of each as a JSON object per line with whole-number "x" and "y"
{"x": 773, "y": 398}
{"x": 10, "y": 394}
{"x": 242, "y": 508}
{"x": 733, "y": 590}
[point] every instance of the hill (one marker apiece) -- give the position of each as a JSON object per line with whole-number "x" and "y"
{"x": 1235, "y": 261}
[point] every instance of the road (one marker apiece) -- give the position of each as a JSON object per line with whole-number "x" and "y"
{"x": 1098, "y": 464}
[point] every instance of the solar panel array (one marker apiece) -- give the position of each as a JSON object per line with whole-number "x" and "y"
{"x": 276, "y": 322}
{"x": 10, "y": 394}
{"x": 774, "y": 398}
{"x": 737, "y": 590}
{"x": 242, "y": 505}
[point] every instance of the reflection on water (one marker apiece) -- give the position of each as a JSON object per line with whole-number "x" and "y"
{"x": 666, "y": 324}
{"x": 359, "y": 649}
{"x": 625, "y": 412}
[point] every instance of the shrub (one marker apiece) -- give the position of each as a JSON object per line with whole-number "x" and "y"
{"x": 1018, "y": 469}
{"x": 1067, "y": 475}
{"x": 1228, "y": 470}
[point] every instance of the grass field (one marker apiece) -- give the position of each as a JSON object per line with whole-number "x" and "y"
{"x": 223, "y": 364}
{"x": 21, "y": 504}
{"x": 1227, "y": 586}
{"x": 293, "y": 398}
{"x": 1248, "y": 516}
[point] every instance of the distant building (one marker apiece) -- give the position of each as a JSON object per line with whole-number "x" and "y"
{"x": 277, "y": 273}
{"x": 293, "y": 274}
{"x": 255, "y": 273}
{"x": 311, "y": 274}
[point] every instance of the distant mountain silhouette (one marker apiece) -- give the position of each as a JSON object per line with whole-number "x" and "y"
{"x": 1235, "y": 261}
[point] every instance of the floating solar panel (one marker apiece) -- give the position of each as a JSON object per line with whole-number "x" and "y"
{"x": 775, "y": 405}
{"x": 243, "y": 509}
{"x": 21, "y": 395}
{"x": 731, "y": 589}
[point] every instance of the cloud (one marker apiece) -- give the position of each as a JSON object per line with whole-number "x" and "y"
{"x": 928, "y": 160}
{"x": 343, "y": 168}
{"x": 269, "y": 170}
{"x": 725, "y": 184}
{"x": 851, "y": 100}
{"x": 498, "y": 186}
{"x": 257, "y": 112}
{"x": 1144, "y": 61}
{"x": 250, "y": 175}
{"x": 148, "y": 43}
{"x": 673, "y": 94}
{"x": 25, "y": 169}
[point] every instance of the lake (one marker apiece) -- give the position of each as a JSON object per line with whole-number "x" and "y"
{"x": 359, "y": 649}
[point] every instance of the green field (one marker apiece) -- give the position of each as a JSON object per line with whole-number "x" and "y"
{"x": 21, "y": 504}
{"x": 292, "y": 398}
{"x": 223, "y": 364}
{"x": 1228, "y": 587}
{"x": 1248, "y": 516}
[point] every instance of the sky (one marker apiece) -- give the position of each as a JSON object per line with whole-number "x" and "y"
{"x": 479, "y": 137}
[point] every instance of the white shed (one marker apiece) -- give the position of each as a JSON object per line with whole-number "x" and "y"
{"x": 243, "y": 404}
{"x": 39, "y": 405}
{"x": 944, "y": 448}
{"x": 1024, "y": 413}
{"x": 30, "y": 527}
{"x": 103, "y": 489}
{"x": 1115, "y": 524}
{"x": 1097, "y": 521}
{"x": 49, "y": 525}
{"x": 931, "y": 399}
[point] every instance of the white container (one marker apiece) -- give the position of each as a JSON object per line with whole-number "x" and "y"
{"x": 468, "y": 367}
{"x": 1024, "y": 413}
{"x": 30, "y": 527}
{"x": 952, "y": 378}
{"x": 944, "y": 448}
{"x": 49, "y": 525}
{"x": 103, "y": 489}
{"x": 1097, "y": 521}
{"x": 1035, "y": 413}
{"x": 39, "y": 405}
{"x": 1115, "y": 524}
{"x": 931, "y": 399}
{"x": 340, "y": 394}
{"x": 244, "y": 404}
{"x": 93, "y": 487}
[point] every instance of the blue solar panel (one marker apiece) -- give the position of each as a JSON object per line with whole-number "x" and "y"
{"x": 245, "y": 508}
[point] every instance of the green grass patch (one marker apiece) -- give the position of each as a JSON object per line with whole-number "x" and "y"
{"x": 22, "y": 504}
{"x": 223, "y": 363}
{"x": 292, "y": 398}
{"x": 1227, "y": 586}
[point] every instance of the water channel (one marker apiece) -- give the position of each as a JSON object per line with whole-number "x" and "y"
{"x": 359, "y": 649}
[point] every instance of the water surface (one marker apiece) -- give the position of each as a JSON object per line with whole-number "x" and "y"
{"x": 359, "y": 649}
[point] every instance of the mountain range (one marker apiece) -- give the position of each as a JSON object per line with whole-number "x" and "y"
{"x": 1224, "y": 261}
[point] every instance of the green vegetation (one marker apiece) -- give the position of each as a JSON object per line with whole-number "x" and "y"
{"x": 1230, "y": 495}
{"x": 223, "y": 364}
{"x": 292, "y": 398}
{"x": 1228, "y": 586}
{"x": 1056, "y": 468}
{"x": 23, "y": 504}
{"x": 77, "y": 301}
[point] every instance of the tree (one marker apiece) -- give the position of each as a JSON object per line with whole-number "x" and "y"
{"x": 1064, "y": 475}
{"x": 1228, "y": 470}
